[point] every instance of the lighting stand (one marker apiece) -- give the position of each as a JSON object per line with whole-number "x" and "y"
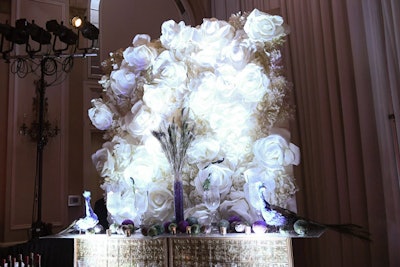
{"x": 40, "y": 131}
{"x": 39, "y": 228}
{"x": 41, "y": 134}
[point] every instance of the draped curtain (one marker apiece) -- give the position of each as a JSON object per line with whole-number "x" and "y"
{"x": 343, "y": 59}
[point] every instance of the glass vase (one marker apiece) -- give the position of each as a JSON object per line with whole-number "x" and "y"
{"x": 178, "y": 197}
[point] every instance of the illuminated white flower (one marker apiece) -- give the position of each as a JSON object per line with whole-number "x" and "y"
{"x": 176, "y": 36}
{"x": 121, "y": 204}
{"x": 236, "y": 54}
{"x": 252, "y": 83}
{"x": 160, "y": 99}
{"x": 140, "y": 56}
{"x": 161, "y": 201}
{"x": 220, "y": 71}
{"x": 274, "y": 152}
{"x": 237, "y": 206}
{"x": 141, "y": 121}
{"x": 123, "y": 81}
{"x": 103, "y": 160}
{"x": 100, "y": 115}
{"x": 203, "y": 150}
{"x": 218, "y": 174}
{"x": 263, "y": 27}
{"x": 122, "y": 152}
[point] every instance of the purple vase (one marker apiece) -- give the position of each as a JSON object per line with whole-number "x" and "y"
{"x": 178, "y": 197}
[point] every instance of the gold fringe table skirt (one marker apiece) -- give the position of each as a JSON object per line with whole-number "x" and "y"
{"x": 233, "y": 250}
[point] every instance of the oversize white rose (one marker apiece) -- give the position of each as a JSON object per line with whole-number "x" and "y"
{"x": 140, "y": 57}
{"x": 202, "y": 151}
{"x": 252, "y": 83}
{"x": 169, "y": 72}
{"x": 141, "y": 39}
{"x": 176, "y": 36}
{"x": 238, "y": 206}
{"x": 142, "y": 121}
{"x": 218, "y": 174}
{"x": 104, "y": 161}
{"x": 100, "y": 115}
{"x": 263, "y": 27}
{"x": 121, "y": 205}
{"x": 143, "y": 169}
{"x": 161, "y": 202}
{"x": 214, "y": 34}
{"x": 236, "y": 54}
{"x": 160, "y": 99}
{"x": 123, "y": 81}
{"x": 274, "y": 152}
{"x": 122, "y": 152}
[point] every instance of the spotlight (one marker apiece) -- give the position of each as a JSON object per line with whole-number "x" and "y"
{"x": 5, "y": 32}
{"x": 76, "y": 22}
{"x": 65, "y": 35}
{"x": 88, "y": 30}
{"x": 19, "y": 34}
{"x": 38, "y": 34}
{"x": 5, "y": 29}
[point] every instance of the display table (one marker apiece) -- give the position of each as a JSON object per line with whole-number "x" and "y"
{"x": 183, "y": 250}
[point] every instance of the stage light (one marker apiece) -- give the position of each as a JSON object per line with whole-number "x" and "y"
{"x": 5, "y": 29}
{"x": 18, "y": 34}
{"x": 76, "y": 22}
{"x": 38, "y": 34}
{"x": 65, "y": 35}
{"x": 88, "y": 30}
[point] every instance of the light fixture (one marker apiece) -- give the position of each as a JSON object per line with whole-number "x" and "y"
{"x": 76, "y": 22}
{"x": 38, "y": 34}
{"x": 51, "y": 63}
{"x": 19, "y": 33}
{"x": 87, "y": 29}
{"x": 65, "y": 35}
{"x": 5, "y": 31}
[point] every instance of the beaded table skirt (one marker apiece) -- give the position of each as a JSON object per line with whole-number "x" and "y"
{"x": 183, "y": 250}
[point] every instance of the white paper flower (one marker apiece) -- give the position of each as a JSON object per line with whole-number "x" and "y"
{"x": 263, "y": 27}
{"x": 227, "y": 75}
{"x": 140, "y": 56}
{"x": 141, "y": 121}
{"x": 123, "y": 81}
{"x": 218, "y": 174}
{"x": 103, "y": 160}
{"x": 176, "y": 36}
{"x": 161, "y": 201}
{"x": 121, "y": 205}
{"x": 202, "y": 151}
{"x": 100, "y": 115}
{"x": 238, "y": 206}
{"x": 274, "y": 152}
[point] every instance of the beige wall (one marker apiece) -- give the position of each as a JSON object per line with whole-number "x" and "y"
{"x": 121, "y": 20}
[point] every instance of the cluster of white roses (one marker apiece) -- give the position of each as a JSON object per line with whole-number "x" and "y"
{"x": 227, "y": 74}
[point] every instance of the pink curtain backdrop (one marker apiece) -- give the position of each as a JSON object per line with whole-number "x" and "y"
{"x": 345, "y": 66}
{"x": 343, "y": 59}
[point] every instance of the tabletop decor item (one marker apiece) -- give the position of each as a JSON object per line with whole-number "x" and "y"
{"x": 175, "y": 141}
{"x": 227, "y": 77}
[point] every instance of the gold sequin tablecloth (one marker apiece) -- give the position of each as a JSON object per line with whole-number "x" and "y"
{"x": 183, "y": 250}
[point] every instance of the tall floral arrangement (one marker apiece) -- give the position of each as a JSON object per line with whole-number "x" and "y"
{"x": 228, "y": 75}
